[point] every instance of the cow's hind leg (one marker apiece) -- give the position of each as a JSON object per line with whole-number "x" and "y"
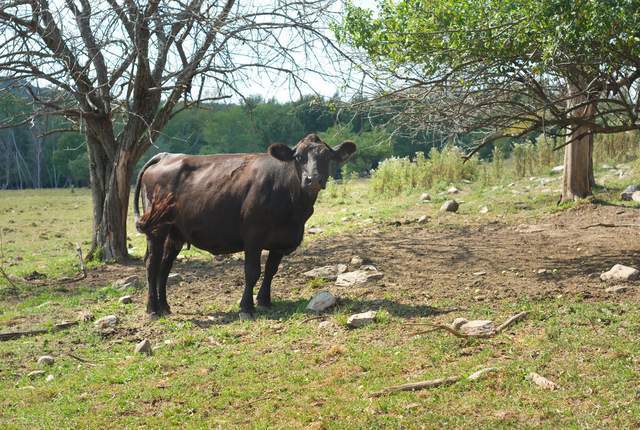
{"x": 155, "y": 244}
{"x": 270, "y": 269}
{"x": 172, "y": 247}
{"x": 251, "y": 275}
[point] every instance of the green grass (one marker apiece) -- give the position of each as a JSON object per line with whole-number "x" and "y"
{"x": 282, "y": 371}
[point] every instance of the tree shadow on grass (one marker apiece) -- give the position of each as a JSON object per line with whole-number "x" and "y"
{"x": 284, "y": 310}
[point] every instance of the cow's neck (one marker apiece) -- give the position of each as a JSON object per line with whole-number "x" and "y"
{"x": 303, "y": 206}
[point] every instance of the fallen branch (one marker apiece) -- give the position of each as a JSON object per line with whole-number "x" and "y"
{"x": 541, "y": 381}
{"x": 18, "y": 334}
{"x": 80, "y": 359}
{"x": 5, "y": 276}
{"x": 433, "y": 383}
{"x": 511, "y": 320}
{"x": 604, "y": 224}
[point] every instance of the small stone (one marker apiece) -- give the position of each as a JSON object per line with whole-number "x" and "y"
{"x": 422, "y": 219}
{"x": 483, "y": 210}
{"x": 453, "y": 190}
{"x": 325, "y": 325}
{"x": 314, "y": 230}
{"x": 321, "y": 301}
{"x": 106, "y": 322}
{"x": 365, "y": 274}
{"x": 356, "y": 261}
{"x": 617, "y": 289}
{"x": 557, "y": 169}
{"x": 635, "y": 196}
{"x": 125, "y": 300}
{"x": 50, "y": 378}
{"x": 620, "y": 273}
{"x": 479, "y": 273}
{"x": 362, "y": 319}
{"x": 129, "y": 281}
{"x": 449, "y": 206}
{"x": 174, "y": 278}
{"x": 36, "y": 374}
{"x": 425, "y": 197}
{"x": 143, "y": 347}
{"x": 541, "y": 271}
{"x": 46, "y": 360}
{"x": 85, "y": 316}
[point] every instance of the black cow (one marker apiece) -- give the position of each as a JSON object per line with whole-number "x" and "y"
{"x": 228, "y": 203}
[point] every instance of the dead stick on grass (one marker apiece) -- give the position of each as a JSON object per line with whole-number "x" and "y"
{"x": 604, "y": 224}
{"x": 80, "y": 359}
{"x": 511, "y": 320}
{"x": 433, "y": 383}
{"x": 18, "y": 334}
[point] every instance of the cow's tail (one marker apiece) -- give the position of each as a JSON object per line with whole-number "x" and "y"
{"x": 160, "y": 208}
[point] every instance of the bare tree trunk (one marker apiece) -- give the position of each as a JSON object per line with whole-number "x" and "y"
{"x": 578, "y": 164}
{"x": 110, "y": 170}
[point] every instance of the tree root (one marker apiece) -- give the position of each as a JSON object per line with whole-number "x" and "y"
{"x": 433, "y": 382}
{"x": 604, "y": 224}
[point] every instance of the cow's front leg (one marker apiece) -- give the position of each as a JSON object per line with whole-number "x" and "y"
{"x": 270, "y": 269}
{"x": 251, "y": 275}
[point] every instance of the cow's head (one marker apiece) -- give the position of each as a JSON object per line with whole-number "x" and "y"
{"x": 312, "y": 158}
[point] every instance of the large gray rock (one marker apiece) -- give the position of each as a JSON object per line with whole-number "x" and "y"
{"x": 143, "y": 347}
{"x": 330, "y": 272}
{"x": 321, "y": 301}
{"x": 109, "y": 321}
{"x": 477, "y": 327}
{"x": 364, "y": 274}
{"x": 449, "y": 206}
{"x": 46, "y": 360}
{"x": 362, "y": 319}
{"x": 620, "y": 273}
{"x": 627, "y": 194}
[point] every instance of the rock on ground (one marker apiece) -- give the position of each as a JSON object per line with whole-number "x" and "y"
{"x": 617, "y": 289}
{"x": 46, "y": 360}
{"x": 635, "y": 196}
{"x": 557, "y": 169}
{"x": 453, "y": 190}
{"x": 627, "y": 193}
{"x": 620, "y": 273}
{"x": 106, "y": 322}
{"x": 314, "y": 230}
{"x": 85, "y": 316}
{"x": 50, "y": 378}
{"x": 422, "y": 219}
{"x": 321, "y": 301}
{"x": 326, "y": 325}
{"x": 449, "y": 206}
{"x": 364, "y": 274}
{"x": 129, "y": 281}
{"x": 477, "y": 327}
{"x": 362, "y": 319}
{"x": 425, "y": 197}
{"x": 329, "y": 272}
{"x": 356, "y": 261}
{"x": 143, "y": 347}
{"x": 483, "y": 210}
{"x": 125, "y": 300}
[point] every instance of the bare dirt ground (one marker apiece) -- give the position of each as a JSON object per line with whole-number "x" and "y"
{"x": 425, "y": 267}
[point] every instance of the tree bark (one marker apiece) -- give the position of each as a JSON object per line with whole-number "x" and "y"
{"x": 578, "y": 164}
{"x": 110, "y": 170}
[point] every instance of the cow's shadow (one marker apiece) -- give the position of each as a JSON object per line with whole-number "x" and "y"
{"x": 284, "y": 310}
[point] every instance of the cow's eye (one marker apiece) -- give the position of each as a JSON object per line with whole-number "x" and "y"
{"x": 299, "y": 158}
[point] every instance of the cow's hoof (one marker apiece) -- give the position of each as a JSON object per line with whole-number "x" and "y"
{"x": 246, "y": 316}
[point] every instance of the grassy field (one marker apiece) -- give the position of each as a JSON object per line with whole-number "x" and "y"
{"x": 285, "y": 370}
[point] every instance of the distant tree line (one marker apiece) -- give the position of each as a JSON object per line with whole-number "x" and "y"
{"x": 41, "y": 154}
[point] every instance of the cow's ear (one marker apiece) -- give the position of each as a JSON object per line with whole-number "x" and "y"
{"x": 342, "y": 152}
{"x": 281, "y": 152}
